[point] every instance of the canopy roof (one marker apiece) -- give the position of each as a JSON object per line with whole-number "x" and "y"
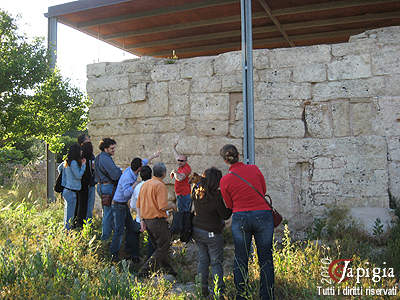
{"x": 209, "y": 27}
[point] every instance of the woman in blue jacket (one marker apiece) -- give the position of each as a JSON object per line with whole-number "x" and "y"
{"x": 72, "y": 171}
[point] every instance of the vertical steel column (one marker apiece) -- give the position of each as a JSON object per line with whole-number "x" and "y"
{"x": 248, "y": 91}
{"x": 51, "y": 157}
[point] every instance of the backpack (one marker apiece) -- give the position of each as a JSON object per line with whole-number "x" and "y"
{"x": 58, "y": 187}
{"x": 182, "y": 225}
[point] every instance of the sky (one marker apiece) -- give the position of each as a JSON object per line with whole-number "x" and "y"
{"x": 75, "y": 50}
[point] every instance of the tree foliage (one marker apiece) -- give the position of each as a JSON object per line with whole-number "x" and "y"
{"x": 35, "y": 101}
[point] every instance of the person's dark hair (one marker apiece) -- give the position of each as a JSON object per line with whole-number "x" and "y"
{"x": 87, "y": 150}
{"x": 82, "y": 138}
{"x": 145, "y": 173}
{"x": 212, "y": 177}
{"x": 105, "y": 143}
{"x": 229, "y": 153}
{"x": 74, "y": 153}
{"x": 159, "y": 170}
{"x": 136, "y": 163}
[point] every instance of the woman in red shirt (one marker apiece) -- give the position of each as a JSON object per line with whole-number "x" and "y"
{"x": 251, "y": 217}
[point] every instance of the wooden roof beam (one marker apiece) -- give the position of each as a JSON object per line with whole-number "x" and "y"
{"x": 268, "y": 10}
{"x": 175, "y": 27}
{"x": 327, "y": 6}
{"x": 155, "y": 12}
{"x": 267, "y": 29}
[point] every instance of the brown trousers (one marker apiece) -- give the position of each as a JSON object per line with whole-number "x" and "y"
{"x": 160, "y": 237}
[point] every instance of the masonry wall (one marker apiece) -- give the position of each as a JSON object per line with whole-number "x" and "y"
{"x": 326, "y": 118}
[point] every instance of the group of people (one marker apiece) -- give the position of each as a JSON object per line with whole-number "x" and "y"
{"x": 233, "y": 194}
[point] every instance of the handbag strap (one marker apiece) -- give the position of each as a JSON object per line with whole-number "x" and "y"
{"x": 250, "y": 185}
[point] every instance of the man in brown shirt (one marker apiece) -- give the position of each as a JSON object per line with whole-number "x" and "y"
{"x": 153, "y": 204}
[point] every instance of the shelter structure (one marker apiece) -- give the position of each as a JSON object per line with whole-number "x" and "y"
{"x": 326, "y": 124}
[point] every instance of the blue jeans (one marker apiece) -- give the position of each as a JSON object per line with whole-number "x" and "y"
{"x": 90, "y": 205}
{"x": 211, "y": 252}
{"x": 123, "y": 219}
{"x": 107, "y": 221}
{"x": 69, "y": 207}
{"x": 184, "y": 202}
{"x": 245, "y": 224}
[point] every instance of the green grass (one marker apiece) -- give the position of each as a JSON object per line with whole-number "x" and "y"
{"x": 39, "y": 260}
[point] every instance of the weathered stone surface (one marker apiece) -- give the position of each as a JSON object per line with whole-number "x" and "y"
{"x": 322, "y": 163}
{"x": 393, "y": 148}
{"x": 99, "y": 99}
{"x": 192, "y": 68}
{"x": 367, "y": 216}
{"x": 392, "y": 86}
{"x": 96, "y": 70}
{"x": 275, "y": 75}
{"x": 369, "y": 87}
{"x": 232, "y": 83}
{"x": 228, "y": 63}
{"x": 289, "y": 57}
{"x": 327, "y": 174}
{"x": 138, "y": 92}
{"x": 107, "y": 83}
{"x": 179, "y": 87}
{"x": 261, "y": 59}
{"x": 192, "y": 145}
{"x": 394, "y": 182}
{"x": 386, "y": 35}
{"x": 386, "y": 61}
{"x": 386, "y": 118}
{"x": 108, "y": 128}
{"x": 310, "y": 73}
{"x": 305, "y": 149}
{"x": 206, "y": 84}
{"x": 178, "y": 105}
{"x": 165, "y": 72}
{"x": 282, "y": 91}
{"x": 341, "y": 118}
{"x": 157, "y": 125}
{"x": 279, "y": 128}
{"x": 209, "y": 106}
{"x": 212, "y": 128}
{"x": 214, "y": 144}
{"x": 361, "y": 118}
{"x": 350, "y": 67}
{"x": 318, "y": 120}
{"x": 119, "y": 97}
{"x": 157, "y": 99}
{"x": 356, "y": 47}
{"x": 273, "y": 110}
{"x": 99, "y": 113}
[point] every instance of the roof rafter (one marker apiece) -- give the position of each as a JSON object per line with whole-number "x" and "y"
{"x": 156, "y": 12}
{"x": 268, "y": 10}
{"x": 267, "y": 29}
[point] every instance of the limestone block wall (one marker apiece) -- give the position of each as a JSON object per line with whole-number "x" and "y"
{"x": 327, "y": 117}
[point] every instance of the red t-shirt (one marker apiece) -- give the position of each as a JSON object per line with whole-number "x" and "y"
{"x": 183, "y": 187}
{"x": 237, "y": 194}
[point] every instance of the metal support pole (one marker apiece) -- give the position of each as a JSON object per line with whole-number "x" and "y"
{"x": 248, "y": 91}
{"x": 51, "y": 157}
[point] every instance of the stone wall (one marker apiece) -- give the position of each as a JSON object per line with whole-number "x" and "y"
{"x": 326, "y": 117}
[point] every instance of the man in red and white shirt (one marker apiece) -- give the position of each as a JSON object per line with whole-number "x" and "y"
{"x": 182, "y": 186}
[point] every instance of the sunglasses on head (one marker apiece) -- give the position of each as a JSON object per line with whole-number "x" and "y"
{"x": 181, "y": 160}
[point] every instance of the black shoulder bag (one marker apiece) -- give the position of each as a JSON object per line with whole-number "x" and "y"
{"x": 276, "y": 216}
